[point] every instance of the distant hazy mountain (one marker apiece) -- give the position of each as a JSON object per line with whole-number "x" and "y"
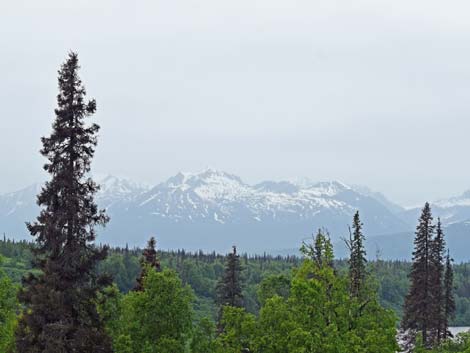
{"x": 212, "y": 210}
{"x": 16, "y": 208}
{"x": 452, "y": 210}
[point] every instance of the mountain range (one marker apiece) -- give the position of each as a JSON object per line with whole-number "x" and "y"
{"x": 212, "y": 210}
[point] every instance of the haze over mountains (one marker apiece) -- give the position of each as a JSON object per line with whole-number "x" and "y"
{"x": 212, "y": 210}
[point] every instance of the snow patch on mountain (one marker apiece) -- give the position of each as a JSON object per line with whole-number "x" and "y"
{"x": 462, "y": 200}
{"x": 223, "y": 197}
{"x": 190, "y": 206}
{"x": 115, "y": 190}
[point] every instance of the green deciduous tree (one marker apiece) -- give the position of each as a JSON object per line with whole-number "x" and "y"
{"x": 157, "y": 319}
{"x": 239, "y": 330}
{"x": 273, "y": 285}
{"x": 204, "y": 338}
{"x": 317, "y": 316}
{"x": 460, "y": 344}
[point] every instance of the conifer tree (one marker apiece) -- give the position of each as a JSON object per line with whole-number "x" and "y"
{"x": 60, "y": 314}
{"x": 149, "y": 260}
{"x": 321, "y": 250}
{"x": 357, "y": 259}
{"x": 229, "y": 289}
{"x": 449, "y": 301}
{"x": 328, "y": 254}
{"x": 418, "y": 301}
{"x": 436, "y": 310}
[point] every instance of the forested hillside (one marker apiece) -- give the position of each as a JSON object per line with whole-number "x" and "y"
{"x": 202, "y": 272}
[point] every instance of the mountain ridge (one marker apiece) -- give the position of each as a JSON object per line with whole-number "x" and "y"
{"x": 212, "y": 209}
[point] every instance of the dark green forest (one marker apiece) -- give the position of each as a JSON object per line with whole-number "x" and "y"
{"x": 201, "y": 271}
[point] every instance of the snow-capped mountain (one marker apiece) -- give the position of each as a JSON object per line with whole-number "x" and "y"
{"x": 213, "y": 210}
{"x": 457, "y": 201}
{"x": 214, "y": 196}
{"x": 451, "y": 211}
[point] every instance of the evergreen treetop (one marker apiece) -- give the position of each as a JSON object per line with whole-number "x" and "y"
{"x": 229, "y": 288}
{"x": 419, "y": 302}
{"x": 436, "y": 310}
{"x": 320, "y": 250}
{"x": 357, "y": 258}
{"x": 149, "y": 260}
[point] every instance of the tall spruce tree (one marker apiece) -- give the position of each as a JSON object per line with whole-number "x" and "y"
{"x": 449, "y": 301}
{"x": 357, "y": 258}
{"x": 229, "y": 288}
{"x": 418, "y": 302}
{"x": 436, "y": 310}
{"x": 59, "y": 313}
{"x": 149, "y": 260}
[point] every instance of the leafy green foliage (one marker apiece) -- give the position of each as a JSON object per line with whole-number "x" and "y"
{"x": 273, "y": 285}
{"x": 156, "y": 319}
{"x": 461, "y": 344}
{"x": 239, "y": 329}
{"x": 8, "y": 313}
{"x": 318, "y": 315}
{"x": 204, "y": 338}
{"x": 202, "y": 271}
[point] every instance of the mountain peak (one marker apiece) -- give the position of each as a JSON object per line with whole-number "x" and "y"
{"x": 210, "y": 172}
{"x": 328, "y": 188}
{"x": 207, "y": 175}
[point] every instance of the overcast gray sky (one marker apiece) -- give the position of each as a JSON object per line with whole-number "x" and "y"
{"x": 372, "y": 92}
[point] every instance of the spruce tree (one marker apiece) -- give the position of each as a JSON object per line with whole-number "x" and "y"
{"x": 436, "y": 310}
{"x": 229, "y": 288}
{"x": 59, "y": 313}
{"x": 449, "y": 301}
{"x": 416, "y": 317}
{"x": 320, "y": 250}
{"x": 357, "y": 259}
{"x": 148, "y": 261}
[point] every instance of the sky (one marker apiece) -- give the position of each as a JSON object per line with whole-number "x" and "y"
{"x": 371, "y": 92}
